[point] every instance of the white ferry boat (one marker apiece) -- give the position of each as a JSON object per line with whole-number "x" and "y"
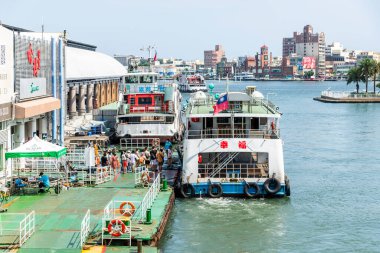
{"x": 192, "y": 83}
{"x": 148, "y": 109}
{"x": 235, "y": 152}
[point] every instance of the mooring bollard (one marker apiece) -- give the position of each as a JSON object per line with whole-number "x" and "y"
{"x": 148, "y": 216}
{"x": 139, "y": 246}
{"x": 164, "y": 185}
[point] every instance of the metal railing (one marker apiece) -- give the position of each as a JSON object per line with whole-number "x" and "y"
{"x": 85, "y": 228}
{"x": 27, "y": 227}
{"x": 140, "y": 143}
{"x": 138, "y": 174}
{"x": 348, "y": 94}
{"x": 236, "y": 133}
{"x": 235, "y": 170}
{"x": 32, "y": 167}
{"x": 223, "y": 163}
{"x": 112, "y": 211}
{"x": 148, "y": 199}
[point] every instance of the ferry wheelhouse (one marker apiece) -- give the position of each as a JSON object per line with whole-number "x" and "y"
{"x": 148, "y": 109}
{"x": 235, "y": 152}
{"x": 192, "y": 83}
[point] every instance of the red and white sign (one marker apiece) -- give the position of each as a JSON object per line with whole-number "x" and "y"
{"x": 308, "y": 62}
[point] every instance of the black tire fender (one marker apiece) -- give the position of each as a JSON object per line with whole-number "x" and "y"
{"x": 250, "y": 185}
{"x": 269, "y": 182}
{"x": 185, "y": 190}
{"x": 215, "y": 186}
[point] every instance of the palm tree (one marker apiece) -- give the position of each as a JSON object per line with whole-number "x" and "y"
{"x": 365, "y": 67}
{"x": 375, "y": 73}
{"x": 354, "y": 75}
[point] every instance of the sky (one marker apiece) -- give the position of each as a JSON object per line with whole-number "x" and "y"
{"x": 185, "y": 28}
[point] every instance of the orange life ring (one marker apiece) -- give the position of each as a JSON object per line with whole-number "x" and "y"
{"x": 116, "y": 228}
{"x": 273, "y": 125}
{"x": 127, "y": 212}
{"x": 145, "y": 177}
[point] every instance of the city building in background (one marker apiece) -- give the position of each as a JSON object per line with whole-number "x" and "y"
{"x": 307, "y": 44}
{"x": 212, "y": 57}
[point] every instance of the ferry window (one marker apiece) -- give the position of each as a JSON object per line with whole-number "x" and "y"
{"x": 146, "y": 79}
{"x": 145, "y": 101}
{"x": 263, "y": 121}
{"x": 222, "y": 120}
{"x": 132, "y": 100}
{"x": 131, "y": 79}
{"x": 169, "y": 120}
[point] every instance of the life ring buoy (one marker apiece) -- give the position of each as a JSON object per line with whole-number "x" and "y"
{"x": 185, "y": 190}
{"x": 251, "y": 185}
{"x": 273, "y": 125}
{"x": 219, "y": 189}
{"x": 272, "y": 186}
{"x": 127, "y": 211}
{"x": 145, "y": 178}
{"x": 116, "y": 228}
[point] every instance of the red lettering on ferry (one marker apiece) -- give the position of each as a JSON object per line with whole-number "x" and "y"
{"x": 224, "y": 144}
{"x": 242, "y": 144}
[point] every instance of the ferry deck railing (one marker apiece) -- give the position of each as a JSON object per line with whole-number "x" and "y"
{"x": 138, "y": 175}
{"x": 127, "y": 109}
{"x": 233, "y": 133}
{"x": 27, "y": 227}
{"x": 140, "y": 143}
{"x": 85, "y": 228}
{"x": 148, "y": 199}
{"x": 210, "y": 101}
{"x": 235, "y": 170}
{"x": 19, "y": 226}
{"x": 112, "y": 211}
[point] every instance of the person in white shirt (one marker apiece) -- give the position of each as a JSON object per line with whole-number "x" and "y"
{"x": 133, "y": 159}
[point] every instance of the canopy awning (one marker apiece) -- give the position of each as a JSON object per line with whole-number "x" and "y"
{"x": 36, "y": 148}
{"x": 84, "y": 64}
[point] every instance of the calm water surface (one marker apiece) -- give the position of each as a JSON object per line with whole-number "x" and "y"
{"x": 332, "y": 158}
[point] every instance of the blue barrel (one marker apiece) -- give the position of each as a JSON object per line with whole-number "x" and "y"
{"x": 89, "y": 133}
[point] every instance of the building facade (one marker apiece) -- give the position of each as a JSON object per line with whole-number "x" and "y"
{"x": 212, "y": 57}
{"x": 307, "y": 44}
{"x": 6, "y": 94}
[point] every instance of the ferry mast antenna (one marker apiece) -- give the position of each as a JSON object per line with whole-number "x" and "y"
{"x": 149, "y": 49}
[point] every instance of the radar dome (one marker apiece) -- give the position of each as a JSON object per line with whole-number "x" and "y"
{"x": 257, "y": 94}
{"x": 200, "y": 95}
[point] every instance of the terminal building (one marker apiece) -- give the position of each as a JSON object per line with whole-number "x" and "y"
{"x": 47, "y": 82}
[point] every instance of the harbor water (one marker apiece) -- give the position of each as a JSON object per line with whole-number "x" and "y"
{"x": 332, "y": 158}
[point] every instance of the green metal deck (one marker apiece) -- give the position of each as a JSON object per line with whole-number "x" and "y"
{"x": 58, "y": 217}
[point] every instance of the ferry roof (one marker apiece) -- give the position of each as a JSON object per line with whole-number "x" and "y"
{"x": 251, "y": 107}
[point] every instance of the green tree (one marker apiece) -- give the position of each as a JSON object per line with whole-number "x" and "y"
{"x": 366, "y": 67}
{"x": 375, "y": 73}
{"x": 354, "y": 75}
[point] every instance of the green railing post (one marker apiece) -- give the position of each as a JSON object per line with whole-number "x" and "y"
{"x": 164, "y": 185}
{"x": 148, "y": 216}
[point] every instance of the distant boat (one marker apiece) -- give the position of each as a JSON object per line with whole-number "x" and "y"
{"x": 192, "y": 83}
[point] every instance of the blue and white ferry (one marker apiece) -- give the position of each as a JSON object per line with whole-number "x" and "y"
{"x": 235, "y": 152}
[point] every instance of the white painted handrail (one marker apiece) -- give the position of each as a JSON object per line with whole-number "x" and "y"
{"x": 85, "y": 228}
{"x": 27, "y": 227}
